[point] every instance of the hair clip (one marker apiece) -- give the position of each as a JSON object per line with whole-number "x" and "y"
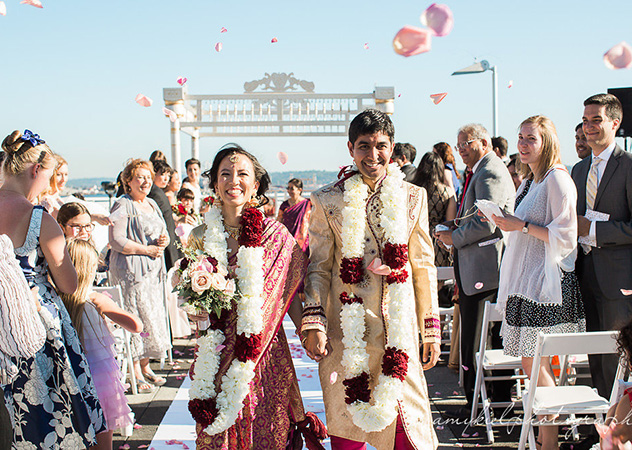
{"x": 34, "y": 139}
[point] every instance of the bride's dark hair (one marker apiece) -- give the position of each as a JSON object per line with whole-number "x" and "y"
{"x": 261, "y": 174}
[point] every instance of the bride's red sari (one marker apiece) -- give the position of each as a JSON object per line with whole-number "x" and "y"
{"x": 273, "y": 413}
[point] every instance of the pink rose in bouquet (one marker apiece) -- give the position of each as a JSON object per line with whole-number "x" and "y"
{"x": 200, "y": 281}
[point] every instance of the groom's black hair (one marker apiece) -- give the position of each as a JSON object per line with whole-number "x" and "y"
{"x": 371, "y": 121}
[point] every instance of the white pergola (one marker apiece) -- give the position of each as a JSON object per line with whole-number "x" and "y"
{"x": 276, "y": 105}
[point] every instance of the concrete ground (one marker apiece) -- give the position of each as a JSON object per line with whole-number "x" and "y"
{"x": 443, "y": 388}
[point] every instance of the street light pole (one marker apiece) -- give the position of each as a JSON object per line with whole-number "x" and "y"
{"x": 480, "y": 67}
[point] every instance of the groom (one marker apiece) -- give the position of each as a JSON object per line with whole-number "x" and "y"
{"x": 372, "y": 281}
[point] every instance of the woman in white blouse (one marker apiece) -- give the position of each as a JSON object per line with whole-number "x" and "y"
{"x": 538, "y": 290}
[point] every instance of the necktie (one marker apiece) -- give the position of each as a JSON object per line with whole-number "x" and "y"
{"x": 465, "y": 186}
{"x": 592, "y": 183}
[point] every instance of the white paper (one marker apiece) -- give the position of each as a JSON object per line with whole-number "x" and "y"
{"x": 489, "y": 208}
{"x": 593, "y": 216}
{"x": 442, "y": 227}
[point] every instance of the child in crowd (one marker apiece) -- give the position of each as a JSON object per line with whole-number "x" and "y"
{"x": 185, "y": 214}
{"x": 76, "y": 222}
{"x": 618, "y": 425}
{"x": 87, "y": 310}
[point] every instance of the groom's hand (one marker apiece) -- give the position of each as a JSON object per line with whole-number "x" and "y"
{"x": 316, "y": 345}
{"x": 430, "y": 356}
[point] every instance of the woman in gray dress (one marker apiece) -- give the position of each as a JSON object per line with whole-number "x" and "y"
{"x": 138, "y": 238}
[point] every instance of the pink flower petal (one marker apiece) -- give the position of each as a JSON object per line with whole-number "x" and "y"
{"x": 436, "y": 98}
{"x": 440, "y": 427}
{"x": 3, "y": 9}
{"x": 437, "y": 393}
{"x": 619, "y": 56}
{"x": 475, "y": 434}
{"x": 179, "y": 377}
{"x": 626, "y": 291}
{"x": 35, "y": 3}
{"x": 459, "y": 444}
{"x": 143, "y": 101}
{"x": 185, "y": 446}
{"x": 333, "y": 377}
{"x": 144, "y": 334}
{"x": 479, "y": 285}
{"x": 510, "y": 84}
{"x": 438, "y": 18}
{"x": 218, "y": 47}
{"x": 411, "y": 41}
{"x": 274, "y": 40}
{"x": 465, "y": 435}
{"x": 138, "y": 426}
{"x": 220, "y": 347}
{"x": 143, "y": 446}
{"x": 124, "y": 447}
{"x": 366, "y": 45}
{"x": 455, "y": 392}
{"x": 169, "y": 113}
{"x": 378, "y": 268}
{"x": 181, "y": 80}
{"x": 223, "y": 30}
{"x": 282, "y": 157}
{"x": 466, "y": 368}
{"x": 399, "y": 95}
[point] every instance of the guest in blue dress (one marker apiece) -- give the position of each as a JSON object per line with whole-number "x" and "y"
{"x": 51, "y": 400}
{"x": 452, "y": 177}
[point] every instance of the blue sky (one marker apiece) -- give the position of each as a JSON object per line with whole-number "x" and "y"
{"x": 71, "y": 70}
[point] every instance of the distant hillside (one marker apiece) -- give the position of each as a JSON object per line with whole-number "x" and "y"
{"x": 311, "y": 179}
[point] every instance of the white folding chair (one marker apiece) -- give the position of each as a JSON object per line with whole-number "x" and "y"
{"x": 165, "y": 302}
{"x": 445, "y": 314}
{"x": 487, "y": 360}
{"x": 565, "y": 400}
{"x": 122, "y": 338}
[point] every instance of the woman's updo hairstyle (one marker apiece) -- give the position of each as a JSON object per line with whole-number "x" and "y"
{"x": 20, "y": 153}
{"x": 129, "y": 172}
{"x": 261, "y": 174}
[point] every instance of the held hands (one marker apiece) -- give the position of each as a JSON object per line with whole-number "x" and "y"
{"x": 430, "y": 356}
{"x": 154, "y": 251}
{"x": 444, "y": 237}
{"x": 316, "y": 345}
{"x": 162, "y": 241}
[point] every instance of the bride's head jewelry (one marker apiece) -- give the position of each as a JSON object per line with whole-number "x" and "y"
{"x": 233, "y": 158}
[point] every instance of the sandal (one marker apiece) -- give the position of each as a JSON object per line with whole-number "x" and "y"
{"x": 155, "y": 379}
{"x": 143, "y": 387}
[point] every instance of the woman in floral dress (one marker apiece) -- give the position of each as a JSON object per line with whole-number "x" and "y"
{"x": 52, "y": 401}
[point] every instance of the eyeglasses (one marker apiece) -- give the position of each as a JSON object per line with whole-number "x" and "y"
{"x": 78, "y": 228}
{"x": 462, "y": 145}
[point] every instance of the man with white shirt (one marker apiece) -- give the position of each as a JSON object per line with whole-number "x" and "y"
{"x": 604, "y": 266}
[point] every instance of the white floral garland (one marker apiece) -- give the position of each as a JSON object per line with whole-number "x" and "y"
{"x": 388, "y": 390}
{"x": 235, "y": 383}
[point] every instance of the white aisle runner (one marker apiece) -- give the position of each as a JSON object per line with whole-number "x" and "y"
{"x": 177, "y": 424}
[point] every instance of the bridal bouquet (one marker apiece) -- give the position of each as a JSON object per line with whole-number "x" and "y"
{"x": 203, "y": 283}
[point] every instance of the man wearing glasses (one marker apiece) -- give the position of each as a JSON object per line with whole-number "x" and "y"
{"x": 478, "y": 246}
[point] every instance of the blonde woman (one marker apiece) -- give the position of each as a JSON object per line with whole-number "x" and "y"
{"x": 538, "y": 289}
{"x": 52, "y": 400}
{"x": 51, "y": 200}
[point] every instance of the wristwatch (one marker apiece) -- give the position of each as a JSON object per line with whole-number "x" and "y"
{"x": 525, "y": 229}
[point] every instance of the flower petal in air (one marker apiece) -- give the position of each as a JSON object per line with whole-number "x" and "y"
{"x": 438, "y": 18}
{"x": 3, "y": 9}
{"x": 366, "y": 45}
{"x": 436, "y": 98}
{"x": 223, "y": 30}
{"x": 274, "y": 40}
{"x": 169, "y": 113}
{"x": 626, "y": 291}
{"x": 411, "y": 41}
{"x": 333, "y": 377}
{"x": 618, "y": 57}
{"x": 181, "y": 81}
{"x": 35, "y": 3}
{"x": 282, "y": 157}
{"x": 510, "y": 84}
{"x": 143, "y": 101}
{"x": 378, "y": 268}
{"x": 218, "y": 47}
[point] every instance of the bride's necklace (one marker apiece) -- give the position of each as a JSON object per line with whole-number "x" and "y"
{"x": 217, "y": 412}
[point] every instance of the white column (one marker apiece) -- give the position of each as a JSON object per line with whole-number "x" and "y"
{"x": 175, "y": 146}
{"x": 195, "y": 144}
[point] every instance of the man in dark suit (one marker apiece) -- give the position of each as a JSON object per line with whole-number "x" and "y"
{"x": 162, "y": 174}
{"x": 604, "y": 266}
{"x": 404, "y": 155}
{"x": 479, "y": 246}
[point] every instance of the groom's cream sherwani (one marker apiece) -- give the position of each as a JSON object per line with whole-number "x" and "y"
{"x": 322, "y": 310}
